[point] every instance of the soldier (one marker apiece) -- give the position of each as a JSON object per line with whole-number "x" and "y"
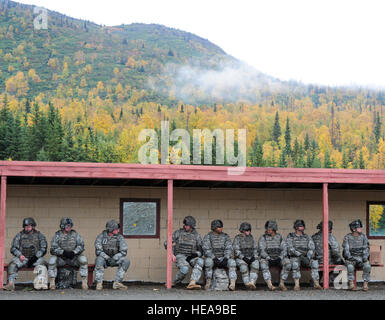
{"x": 187, "y": 251}
{"x": 29, "y": 246}
{"x": 66, "y": 248}
{"x": 246, "y": 255}
{"x": 334, "y": 248}
{"x": 218, "y": 249}
{"x": 111, "y": 251}
{"x": 356, "y": 253}
{"x": 301, "y": 250}
{"x": 273, "y": 251}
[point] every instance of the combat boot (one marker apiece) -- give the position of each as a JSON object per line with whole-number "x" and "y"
{"x": 270, "y": 285}
{"x": 84, "y": 283}
{"x": 282, "y": 285}
{"x": 250, "y": 285}
{"x": 208, "y": 284}
{"x": 317, "y": 286}
{"x": 366, "y": 286}
{"x": 52, "y": 285}
{"x": 192, "y": 285}
{"x": 232, "y": 285}
{"x": 99, "y": 286}
{"x": 10, "y": 286}
{"x": 352, "y": 287}
{"x": 118, "y": 285}
{"x": 296, "y": 285}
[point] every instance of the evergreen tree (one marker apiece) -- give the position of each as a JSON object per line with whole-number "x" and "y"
{"x": 327, "y": 162}
{"x": 377, "y": 128}
{"x": 256, "y": 154}
{"x": 287, "y": 139}
{"x": 276, "y": 129}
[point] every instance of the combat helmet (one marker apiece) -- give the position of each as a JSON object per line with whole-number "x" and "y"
{"x": 245, "y": 226}
{"x": 64, "y": 222}
{"x": 189, "y": 221}
{"x": 299, "y": 223}
{"x": 29, "y": 221}
{"x": 216, "y": 224}
{"x": 355, "y": 224}
{"x": 271, "y": 224}
{"x": 112, "y": 225}
{"x": 320, "y": 225}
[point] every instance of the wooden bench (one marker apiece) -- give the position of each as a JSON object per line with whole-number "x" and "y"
{"x": 91, "y": 268}
{"x": 332, "y": 268}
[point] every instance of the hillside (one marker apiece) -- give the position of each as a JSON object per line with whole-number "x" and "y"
{"x": 78, "y": 91}
{"x": 78, "y": 54}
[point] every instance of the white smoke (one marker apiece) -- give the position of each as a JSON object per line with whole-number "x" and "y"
{"x": 228, "y": 82}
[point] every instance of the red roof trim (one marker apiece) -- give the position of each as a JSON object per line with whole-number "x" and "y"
{"x": 188, "y": 172}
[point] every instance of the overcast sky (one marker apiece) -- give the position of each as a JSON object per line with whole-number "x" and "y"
{"x": 338, "y": 42}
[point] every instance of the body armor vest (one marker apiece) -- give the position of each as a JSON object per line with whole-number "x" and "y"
{"x": 356, "y": 245}
{"x": 186, "y": 243}
{"x": 218, "y": 244}
{"x": 319, "y": 245}
{"x": 300, "y": 243}
{"x": 273, "y": 245}
{"x": 246, "y": 244}
{"x": 110, "y": 245}
{"x": 29, "y": 244}
{"x": 67, "y": 241}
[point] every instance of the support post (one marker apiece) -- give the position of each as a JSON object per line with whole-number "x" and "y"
{"x": 3, "y": 199}
{"x": 170, "y": 199}
{"x": 325, "y": 231}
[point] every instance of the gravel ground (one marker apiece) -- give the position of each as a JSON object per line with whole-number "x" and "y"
{"x": 159, "y": 292}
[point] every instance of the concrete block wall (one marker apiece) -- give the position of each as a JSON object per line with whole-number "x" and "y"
{"x": 90, "y": 208}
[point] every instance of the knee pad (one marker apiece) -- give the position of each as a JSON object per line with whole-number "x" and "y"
{"x": 295, "y": 265}
{"x": 12, "y": 268}
{"x": 99, "y": 261}
{"x": 243, "y": 268}
{"x": 82, "y": 260}
{"x": 126, "y": 263}
{"x": 200, "y": 262}
{"x": 231, "y": 263}
{"x": 350, "y": 268}
{"x": 367, "y": 267}
{"x": 52, "y": 261}
{"x": 184, "y": 269}
{"x": 255, "y": 265}
{"x": 314, "y": 264}
{"x": 209, "y": 263}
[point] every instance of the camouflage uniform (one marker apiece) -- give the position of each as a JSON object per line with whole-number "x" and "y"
{"x": 273, "y": 252}
{"x": 356, "y": 254}
{"x": 110, "y": 247}
{"x": 301, "y": 250}
{"x": 334, "y": 248}
{"x": 246, "y": 247}
{"x": 33, "y": 246}
{"x": 67, "y": 242}
{"x": 218, "y": 246}
{"x": 187, "y": 251}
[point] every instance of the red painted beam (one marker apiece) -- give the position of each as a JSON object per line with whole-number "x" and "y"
{"x": 170, "y": 199}
{"x": 325, "y": 231}
{"x": 188, "y": 172}
{"x": 3, "y": 198}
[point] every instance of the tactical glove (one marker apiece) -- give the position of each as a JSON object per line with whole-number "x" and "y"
{"x": 68, "y": 254}
{"x": 224, "y": 262}
{"x": 31, "y": 261}
{"x": 252, "y": 259}
{"x": 247, "y": 260}
{"x": 217, "y": 263}
{"x": 111, "y": 262}
{"x": 189, "y": 258}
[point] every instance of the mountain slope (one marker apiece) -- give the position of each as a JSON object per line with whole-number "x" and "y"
{"x": 73, "y": 56}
